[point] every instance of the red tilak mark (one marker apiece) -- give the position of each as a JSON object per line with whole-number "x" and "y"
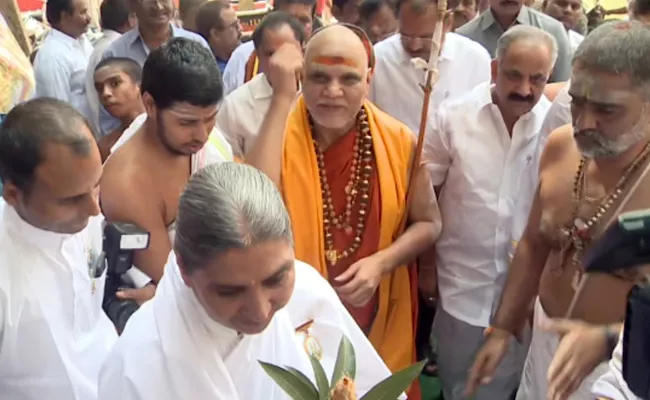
{"x": 325, "y": 60}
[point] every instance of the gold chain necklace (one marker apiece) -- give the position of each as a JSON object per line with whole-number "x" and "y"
{"x": 357, "y": 190}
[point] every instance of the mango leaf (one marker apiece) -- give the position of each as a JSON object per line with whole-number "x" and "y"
{"x": 292, "y": 385}
{"x": 346, "y": 362}
{"x": 298, "y": 374}
{"x": 393, "y": 386}
{"x": 321, "y": 379}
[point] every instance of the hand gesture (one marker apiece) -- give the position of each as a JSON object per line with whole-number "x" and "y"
{"x": 362, "y": 279}
{"x": 138, "y": 295}
{"x": 487, "y": 360}
{"x": 285, "y": 65}
{"x": 582, "y": 347}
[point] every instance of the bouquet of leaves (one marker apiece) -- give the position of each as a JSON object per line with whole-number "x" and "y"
{"x": 341, "y": 386}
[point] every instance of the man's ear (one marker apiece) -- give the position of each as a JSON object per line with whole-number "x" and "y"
{"x": 369, "y": 75}
{"x": 494, "y": 67}
{"x": 149, "y": 104}
{"x": 10, "y": 193}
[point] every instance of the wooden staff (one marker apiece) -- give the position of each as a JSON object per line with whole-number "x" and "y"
{"x": 12, "y": 16}
{"x": 431, "y": 69}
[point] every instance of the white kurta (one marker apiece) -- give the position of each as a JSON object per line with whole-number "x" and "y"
{"x": 235, "y": 71}
{"x": 172, "y": 350}
{"x": 54, "y": 335}
{"x": 612, "y": 385}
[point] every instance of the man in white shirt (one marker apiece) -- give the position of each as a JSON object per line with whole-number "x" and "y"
{"x": 61, "y": 62}
{"x": 116, "y": 19}
{"x": 395, "y": 86}
{"x": 243, "y": 64}
{"x": 477, "y": 153}
{"x": 233, "y": 294}
{"x": 242, "y": 111}
{"x": 153, "y": 159}
{"x": 568, "y": 12}
{"x": 54, "y": 335}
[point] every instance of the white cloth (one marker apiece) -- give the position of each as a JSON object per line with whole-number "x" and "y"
{"x": 235, "y": 71}
{"x": 241, "y": 113}
{"x": 171, "y": 349}
{"x": 60, "y": 68}
{"x": 559, "y": 114}
{"x": 54, "y": 335}
{"x": 574, "y": 40}
{"x": 91, "y": 93}
{"x": 534, "y": 381}
{"x": 611, "y": 384}
{"x": 395, "y": 86}
{"x": 481, "y": 170}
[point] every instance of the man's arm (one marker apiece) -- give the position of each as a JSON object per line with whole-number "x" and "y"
{"x": 227, "y": 124}
{"x": 129, "y": 202}
{"x": 562, "y": 70}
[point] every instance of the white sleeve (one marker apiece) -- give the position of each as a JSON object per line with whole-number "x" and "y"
{"x": 227, "y": 124}
{"x": 52, "y": 77}
{"x": 231, "y": 76}
{"x": 612, "y": 385}
{"x": 482, "y": 68}
{"x": 436, "y": 152}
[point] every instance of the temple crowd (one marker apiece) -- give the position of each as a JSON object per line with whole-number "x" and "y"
{"x": 422, "y": 177}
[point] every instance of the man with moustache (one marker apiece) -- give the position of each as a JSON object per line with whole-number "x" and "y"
{"x": 54, "y": 335}
{"x": 61, "y": 61}
{"x": 476, "y": 153}
{"x": 568, "y": 12}
{"x": 503, "y": 14}
{"x": 342, "y": 166}
{"x": 607, "y": 149}
{"x": 151, "y": 163}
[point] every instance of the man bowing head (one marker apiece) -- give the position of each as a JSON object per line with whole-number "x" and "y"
{"x": 342, "y": 166}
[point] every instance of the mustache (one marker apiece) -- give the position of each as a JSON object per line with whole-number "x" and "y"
{"x": 509, "y": 3}
{"x": 517, "y": 97}
{"x": 588, "y": 133}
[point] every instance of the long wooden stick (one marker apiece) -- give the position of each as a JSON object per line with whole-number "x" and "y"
{"x": 9, "y": 9}
{"x": 424, "y": 115}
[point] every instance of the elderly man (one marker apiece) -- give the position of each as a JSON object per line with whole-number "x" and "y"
{"x": 342, "y": 166}
{"x": 54, "y": 336}
{"x": 153, "y": 159}
{"x": 477, "y": 151}
{"x": 608, "y": 149}
{"x": 503, "y": 14}
{"x": 233, "y": 294}
{"x": 242, "y": 111}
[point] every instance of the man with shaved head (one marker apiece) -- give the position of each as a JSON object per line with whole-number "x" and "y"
{"x": 343, "y": 167}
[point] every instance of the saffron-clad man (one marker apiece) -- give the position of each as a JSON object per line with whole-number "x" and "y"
{"x": 233, "y": 294}
{"x": 342, "y": 166}
{"x": 608, "y": 152}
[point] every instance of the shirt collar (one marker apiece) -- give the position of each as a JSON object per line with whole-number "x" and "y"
{"x": 35, "y": 236}
{"x": 487, "y": 18}
{"x": 261, "y": 88}
{"x": 65, "y": 38}
{"x": 136, "y": 37}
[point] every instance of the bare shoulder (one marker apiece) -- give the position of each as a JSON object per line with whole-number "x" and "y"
{"x": 559, "y": 146}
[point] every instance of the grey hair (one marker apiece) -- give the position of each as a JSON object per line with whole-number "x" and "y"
{"x": 621, "y": 48}
{"x": 227, "y": 206}
{"x": 529, "y": 34}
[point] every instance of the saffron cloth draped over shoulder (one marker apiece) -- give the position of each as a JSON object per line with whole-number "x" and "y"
{"x": 391, "y": 314}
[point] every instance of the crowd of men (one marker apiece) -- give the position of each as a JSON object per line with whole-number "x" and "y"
{"x": 288, "y": 204}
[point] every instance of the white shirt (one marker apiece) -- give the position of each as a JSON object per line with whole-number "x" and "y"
{"x": 171, "y": 349}
{"x": 60, "y": 69}
{"x": 91, "y": 93}
{"x": 235, "y": 71}
{"x": 241, "y": 113}
{"x": 395, "y": 86}
{"x": 559, "y": 114}
{"x": 482, "y": 172}
{"x": 54, "y": 335}
{"x": 612, "y": 384}
{"x": 574, "y": 40}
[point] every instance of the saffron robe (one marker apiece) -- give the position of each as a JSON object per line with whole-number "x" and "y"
{"x": 392, "y": 331}
{"x": 171, "y": 349}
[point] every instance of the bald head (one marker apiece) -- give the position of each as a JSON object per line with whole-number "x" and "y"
{"x": 336, "y": 45}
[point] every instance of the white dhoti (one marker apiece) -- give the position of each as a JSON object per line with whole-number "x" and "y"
{"x": 534, "y": 382}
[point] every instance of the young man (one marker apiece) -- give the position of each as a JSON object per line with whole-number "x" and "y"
{"x": 608, "y": 154}
{"x": 342, "y": 166}
{"x": 117, "y": 82}
{"x": 241, "y": 113}
{"x": 217, "y": 23}
{"x": 233, "y": 295}
{"x": 54, "y": 335}
{"x": 61, "y": 61}
{"x": 151, "y": 163}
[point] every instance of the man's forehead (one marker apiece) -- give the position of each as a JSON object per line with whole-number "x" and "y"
{"x": 108, "y": 72}
{"x": 600, "y": 87}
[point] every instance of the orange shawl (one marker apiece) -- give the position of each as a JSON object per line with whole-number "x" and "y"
{"x": 392, "y": 332}
{"x": 252, "y": 67}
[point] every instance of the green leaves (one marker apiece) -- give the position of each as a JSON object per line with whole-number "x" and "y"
{"x": 294, "y": 383}
{"x": 346, "y": 362}
{"x": 393, "y": 386}
{"x": 321, "y": 379}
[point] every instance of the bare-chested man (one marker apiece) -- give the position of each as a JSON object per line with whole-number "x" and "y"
{"x": 588, "y": 175}
{"x": 144, "y": 177}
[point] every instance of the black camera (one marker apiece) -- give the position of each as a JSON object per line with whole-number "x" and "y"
{"x": 120, "y": 241}
{"x": 626, "y": 245}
